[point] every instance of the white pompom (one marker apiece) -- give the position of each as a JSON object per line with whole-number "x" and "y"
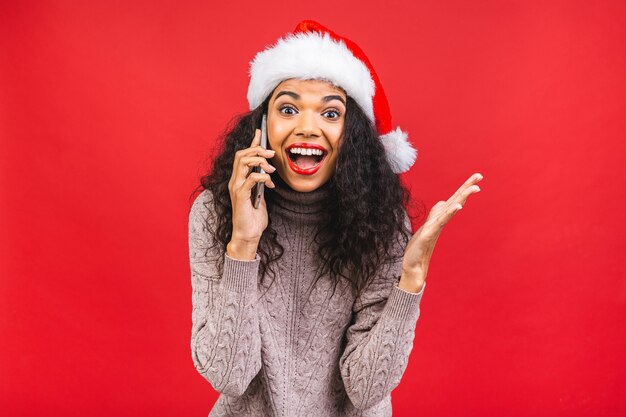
{"x": 400, "y": 153}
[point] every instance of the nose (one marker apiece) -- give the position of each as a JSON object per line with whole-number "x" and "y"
{"x": 307, "y": 124}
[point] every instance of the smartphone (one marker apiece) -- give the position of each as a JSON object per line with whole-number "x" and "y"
{"x": 258, "y": 189}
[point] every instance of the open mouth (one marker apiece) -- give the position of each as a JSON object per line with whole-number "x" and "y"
{"x": 306, "y": 159}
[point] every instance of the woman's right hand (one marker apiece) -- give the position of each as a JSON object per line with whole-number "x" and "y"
{"x": 248, "y": 222}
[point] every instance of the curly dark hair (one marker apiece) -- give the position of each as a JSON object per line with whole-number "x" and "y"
{"x": 366, "y": 206}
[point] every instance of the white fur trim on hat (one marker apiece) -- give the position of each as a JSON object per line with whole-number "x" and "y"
{"x": 400, "y": 154}
{"x": 310, "y": 56}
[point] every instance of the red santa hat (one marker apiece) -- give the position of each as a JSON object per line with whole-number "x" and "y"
{"x": 313, "y": 51}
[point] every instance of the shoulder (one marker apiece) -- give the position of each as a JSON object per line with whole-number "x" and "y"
{"x": 201, "y": 219}
{"x": 201, "y": 206}
{"x": 202, "y": 224}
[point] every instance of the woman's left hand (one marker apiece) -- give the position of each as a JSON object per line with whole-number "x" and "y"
{"x": 420, "y": 247}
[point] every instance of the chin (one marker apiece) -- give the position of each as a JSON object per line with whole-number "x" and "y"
{"x": 305, "y": 185}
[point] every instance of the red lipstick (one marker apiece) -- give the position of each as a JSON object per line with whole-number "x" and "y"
{"x": 306, "y": 145}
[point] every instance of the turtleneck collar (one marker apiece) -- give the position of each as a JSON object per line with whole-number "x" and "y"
{"x": 294, "y": 205}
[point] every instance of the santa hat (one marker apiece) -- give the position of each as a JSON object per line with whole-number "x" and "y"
{"x": 313, "y": 51}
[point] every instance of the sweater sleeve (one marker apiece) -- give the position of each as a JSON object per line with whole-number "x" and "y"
{"x": 380, "y": 337}
{"x": 225, "y": 335}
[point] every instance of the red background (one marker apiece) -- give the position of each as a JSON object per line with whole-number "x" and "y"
{"x": 107, "y": 112}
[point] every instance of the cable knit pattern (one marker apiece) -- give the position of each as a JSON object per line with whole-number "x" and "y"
{"x": 298, "y": 350}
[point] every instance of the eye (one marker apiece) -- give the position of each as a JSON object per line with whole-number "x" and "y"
{"x": 286, "y": 107}
{"x": 337, "y": 114}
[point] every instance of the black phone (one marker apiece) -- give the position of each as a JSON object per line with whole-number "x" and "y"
{"x": 259, "y": 187}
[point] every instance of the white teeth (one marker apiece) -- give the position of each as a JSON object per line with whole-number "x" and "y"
{"x": 307, "y": 151}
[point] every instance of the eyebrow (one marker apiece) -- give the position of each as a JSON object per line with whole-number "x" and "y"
{"x": 325, "y": 99}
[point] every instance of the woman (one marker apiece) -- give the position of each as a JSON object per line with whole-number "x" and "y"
{"x": 308, "y": 304}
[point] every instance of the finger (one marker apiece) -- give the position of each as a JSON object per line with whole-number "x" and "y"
{"x": 256, "y": 151}
{"x": 256, "y": 140}
{"x": 252, "y": 179}
{"x": 241, "y": 170}
{"x": 443, "y": 218}
{"x": 471, "y": 181}
{"x": 475, "y": 178}
{"x": 447, "y": 216}
{"x": 246, "y": 164}
{"x": 439, "y": 215}
{"x": 443, "y": 211}
{"x": 255, "y": 161}
{"x": 464, "y": 196}
{"x": 436, "y": 211}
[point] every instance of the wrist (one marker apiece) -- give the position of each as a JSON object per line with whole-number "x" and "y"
{"x": 242, "y": 250}
{"x": 412, "y": 281}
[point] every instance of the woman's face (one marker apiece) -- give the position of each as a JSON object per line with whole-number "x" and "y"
{"x": 305, "y": 120}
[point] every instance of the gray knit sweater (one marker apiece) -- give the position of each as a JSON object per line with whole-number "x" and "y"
{"x": 296, "y": 350}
